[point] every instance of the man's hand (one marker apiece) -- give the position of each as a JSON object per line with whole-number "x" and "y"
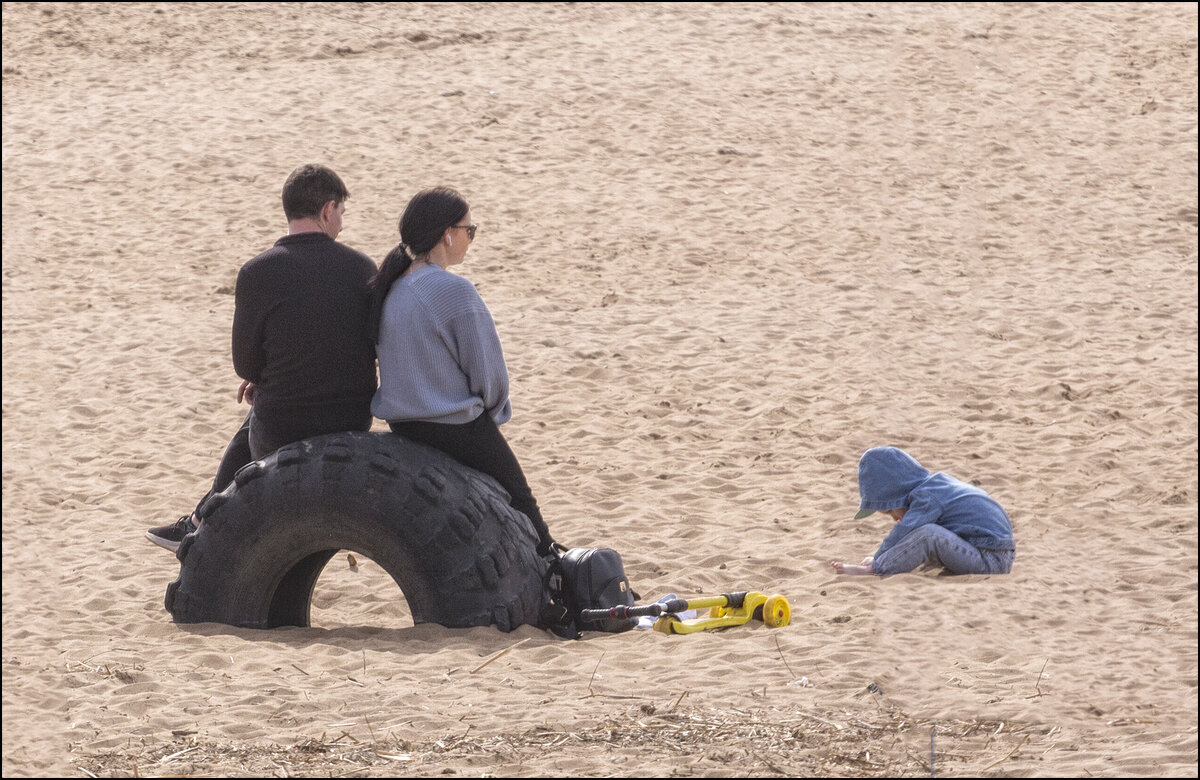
{"x": 247, "y": 391}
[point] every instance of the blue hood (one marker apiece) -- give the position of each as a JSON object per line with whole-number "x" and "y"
{"x": 886, "y": 475}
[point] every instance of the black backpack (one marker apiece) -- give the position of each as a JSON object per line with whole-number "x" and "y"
{"x": 587, "y": 578}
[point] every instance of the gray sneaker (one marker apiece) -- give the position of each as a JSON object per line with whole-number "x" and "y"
{"x": 170, "y": 536}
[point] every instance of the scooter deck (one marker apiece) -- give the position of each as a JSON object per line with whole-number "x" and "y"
{"x": 753, "y": 607}
{"x": 669, "y": 624}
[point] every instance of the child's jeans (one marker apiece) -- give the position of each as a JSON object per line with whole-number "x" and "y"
{"x": 934, "y": 544}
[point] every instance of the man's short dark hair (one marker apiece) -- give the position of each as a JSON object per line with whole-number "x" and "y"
{"x": 309, "y": 188}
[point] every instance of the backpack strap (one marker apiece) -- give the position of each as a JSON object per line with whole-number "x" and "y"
{"x": 556, "y": 614}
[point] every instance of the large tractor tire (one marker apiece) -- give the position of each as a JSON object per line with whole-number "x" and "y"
{"x": 445, "y": 533}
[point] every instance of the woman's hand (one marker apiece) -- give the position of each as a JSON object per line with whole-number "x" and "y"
{"x": 247, "y": 391}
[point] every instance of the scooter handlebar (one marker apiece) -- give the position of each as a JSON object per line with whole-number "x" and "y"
{"x": 646, "y": 610}
{"x": 622, "y": 612}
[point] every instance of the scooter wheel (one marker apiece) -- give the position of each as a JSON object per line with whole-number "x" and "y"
{"x": 776, "y": 611}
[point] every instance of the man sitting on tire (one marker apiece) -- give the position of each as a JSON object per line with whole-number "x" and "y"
{"x": 300, "y": 335}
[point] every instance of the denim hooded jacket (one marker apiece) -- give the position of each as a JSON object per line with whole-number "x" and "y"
{"x": 889, "y": 478}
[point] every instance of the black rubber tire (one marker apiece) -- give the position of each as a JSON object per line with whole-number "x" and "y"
{"x": 445, "y": 533}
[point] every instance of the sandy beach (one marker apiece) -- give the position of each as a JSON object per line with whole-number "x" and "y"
{"x": 728, "y": 247}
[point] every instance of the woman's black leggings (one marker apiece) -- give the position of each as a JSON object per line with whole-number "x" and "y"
{"x": 480, "y": 445}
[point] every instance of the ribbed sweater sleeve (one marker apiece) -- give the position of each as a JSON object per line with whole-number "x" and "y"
{"x": 481, "y": 358}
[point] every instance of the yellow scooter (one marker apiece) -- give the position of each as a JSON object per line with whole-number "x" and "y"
{"x": 730, "y": 609}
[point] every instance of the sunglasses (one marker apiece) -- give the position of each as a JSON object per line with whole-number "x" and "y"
{"x": 469, "y": 228}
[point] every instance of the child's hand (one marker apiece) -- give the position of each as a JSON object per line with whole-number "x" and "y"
{"x": 848, "y": 568}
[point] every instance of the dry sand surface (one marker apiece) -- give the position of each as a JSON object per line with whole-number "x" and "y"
{"x": 728, "y": 248}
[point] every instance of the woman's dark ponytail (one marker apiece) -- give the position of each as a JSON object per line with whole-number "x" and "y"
{"x": 425, "y": 219}
{"x": 394, "y": 265}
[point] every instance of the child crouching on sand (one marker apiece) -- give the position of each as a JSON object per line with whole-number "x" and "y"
{"x": 939, "y": 520}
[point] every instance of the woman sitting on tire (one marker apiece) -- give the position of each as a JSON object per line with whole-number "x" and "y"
{"x": 442, "y": 377}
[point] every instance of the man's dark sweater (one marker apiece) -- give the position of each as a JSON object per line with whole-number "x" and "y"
{"x": 300, "y": 335}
